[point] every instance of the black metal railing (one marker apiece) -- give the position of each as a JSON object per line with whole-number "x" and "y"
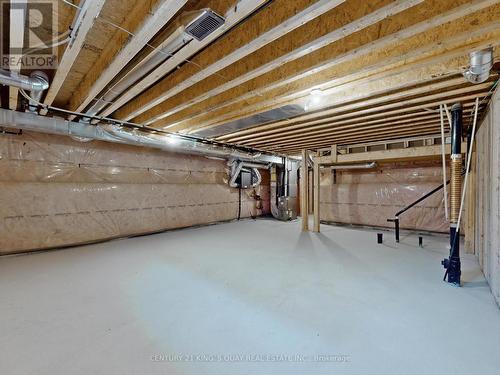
{"x": 395, "y": 219}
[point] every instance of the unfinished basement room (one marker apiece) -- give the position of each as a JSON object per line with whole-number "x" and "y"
{"x": 210, "y": 187}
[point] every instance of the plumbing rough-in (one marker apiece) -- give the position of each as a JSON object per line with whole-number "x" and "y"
{"x": 452, "y": 263}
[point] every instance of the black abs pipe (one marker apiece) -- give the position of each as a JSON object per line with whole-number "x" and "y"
{"x": 452, "y": 263}
{"x": 456, "y": 129}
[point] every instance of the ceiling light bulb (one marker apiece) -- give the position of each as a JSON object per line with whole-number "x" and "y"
{"x": 316, "y": 92}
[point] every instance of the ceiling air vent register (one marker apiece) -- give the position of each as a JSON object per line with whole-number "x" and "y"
{"x": 205, "y": 24}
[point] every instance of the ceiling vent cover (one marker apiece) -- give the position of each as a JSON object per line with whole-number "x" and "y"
{"x": 205, "y": 24}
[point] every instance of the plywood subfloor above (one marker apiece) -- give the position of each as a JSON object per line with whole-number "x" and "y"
{"x": 342, "y": 62}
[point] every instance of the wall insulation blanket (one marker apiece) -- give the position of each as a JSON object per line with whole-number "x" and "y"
{"x": 371, "y": 196}
{"x": 56, "y": 191}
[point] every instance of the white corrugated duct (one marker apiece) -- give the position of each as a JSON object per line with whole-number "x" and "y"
{"x": 122, "y": 134}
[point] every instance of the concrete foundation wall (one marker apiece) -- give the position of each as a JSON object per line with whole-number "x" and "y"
{"x": 57, "y": 191}
{"x": 371, "y": 196}
{"x": 487, "y": 197}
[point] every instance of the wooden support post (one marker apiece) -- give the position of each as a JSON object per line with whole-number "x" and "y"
{"x": 304, "y": 209}
{"x": 470, "y": 209}
{"x": 334, "y": 153}
{"x": 316, "y": 196}
{"x": 310, "y": 191}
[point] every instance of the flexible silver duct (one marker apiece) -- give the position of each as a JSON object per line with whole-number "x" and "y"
{"x": 481, "y": 63}
{"x": 43, "y": 80}
{"x": 36, "y": 84}
{"x": 237, "y": 167}
{"x": 121, "y": 134}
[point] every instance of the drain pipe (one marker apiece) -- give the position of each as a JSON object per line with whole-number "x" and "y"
{"x": 452, "y": 264}
{"x": 36, "y": 84}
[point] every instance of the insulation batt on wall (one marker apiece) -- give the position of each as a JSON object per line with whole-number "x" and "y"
{"x": 371, "y": 196}
{"x": 487, "y": 197}
{"x": 59, "y": 192}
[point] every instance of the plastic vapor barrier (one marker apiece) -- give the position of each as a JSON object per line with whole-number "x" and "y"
{"x": 57, "y": 191}
{"x": 371, "y": 196}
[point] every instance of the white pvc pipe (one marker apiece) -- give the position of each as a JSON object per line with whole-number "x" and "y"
{"x": 443, "y": 157}
{"x": 469, "y": 157}
{"x": 448, "y": 114}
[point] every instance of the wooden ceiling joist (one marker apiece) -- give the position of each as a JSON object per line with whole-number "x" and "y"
{"x": 361, "y": 131}
{"x": 454, "y": 61}
{"x": 257, "y": 133}
{"x": 431, "y": 101}
{"x": 368, "y": 136}
{"x": 309, "y": 13}
{"x": 356, "y": 126}
{"x": 396, "y": 154}
{"x": 466, "y": 100}
{"x": 364, "y": 109}
{"x": 112, "y": 62}
{"x": 425, "y": 131}
{"x": 233, "y": 16}
{"x": 85, "y": 19}
{"x": 158, "y": 112}
{"x": 222, "y": 112}
{"x": 352, "y": 71}
{"x": 17, "y": 19}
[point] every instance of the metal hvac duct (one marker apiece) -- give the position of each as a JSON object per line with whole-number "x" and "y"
{"x": 481, "y": 63}
{"x": 283, "y": 186}
{"x": 197, "y": 24}
{"x": 120, "y": 134}
{"x": 36, "y": 84}
{"x": 452, "y": 264}
{"x": 237, "y": 166}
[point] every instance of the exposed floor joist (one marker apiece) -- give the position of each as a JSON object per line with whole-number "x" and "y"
{"x": 158, "y": 113}
{"x": 386, "y": 67}
{"x": 278, "y": 31}
{"x": 224, "y": 112}
{"x": 267, "y": 131}
{"x": 381, "y": 67}
{"x": 109, "y": 66}
{"x": 86, "y": 17}
{"x": 16, "y": 43}
{"x": 356, "y": 119}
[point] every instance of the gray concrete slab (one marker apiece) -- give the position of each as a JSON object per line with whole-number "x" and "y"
{"x": 254, "y": 297}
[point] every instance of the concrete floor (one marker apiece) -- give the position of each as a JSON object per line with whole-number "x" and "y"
{"x": 255, "y": 297}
